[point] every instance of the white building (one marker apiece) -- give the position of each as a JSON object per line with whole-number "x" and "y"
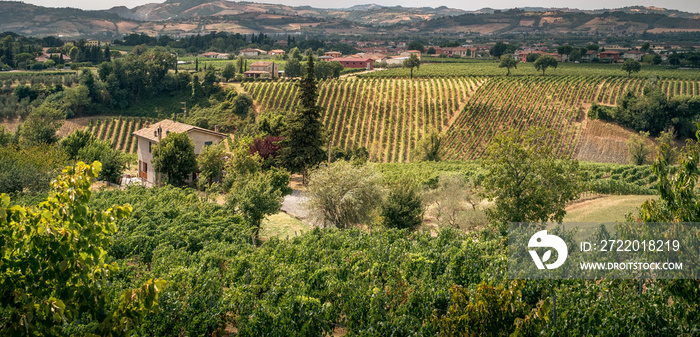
{"x": 148, "y": 138}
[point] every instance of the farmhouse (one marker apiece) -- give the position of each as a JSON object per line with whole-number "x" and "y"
{"x": 262, "y": 69}
{"x": 276, "y": 52}
{"x": 150, "y": 136}
{"x": 633, "y": 54}
{"x": 349, "y": 62}
{"x": 613, "y": 56}
{"x": 252, "y": 52}
{"x": 214, "y": 55}
{"x": 333, "y": 54}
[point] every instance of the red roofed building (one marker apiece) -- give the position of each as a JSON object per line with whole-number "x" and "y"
{"x": 349, "y": 62}
{"x": 609, "y": 55}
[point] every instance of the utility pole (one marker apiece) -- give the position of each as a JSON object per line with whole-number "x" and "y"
{"x": 330, "y": 146}
{"x": 160, "y": 136}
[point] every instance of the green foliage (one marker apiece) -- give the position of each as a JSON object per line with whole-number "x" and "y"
{"x": 412, "y": 62}
{"x": 211, "y": 163}
{"x": 544, "y": 62}
{"x": 61, "y": 244}
{"x": 654, "y": 112}
{"x": 403, "y": 207}
{"x": 508, "y": 62}
{"x": 524, "y": 180}
{"x": 229, "y": 72}
{"x": 638, "y": 148}
{"x": 302, "y": 147}
{"x": 453, "y": 202}
{"x": 168, "y": 216}
{"x": 678, "y": 200}
{"x": 667, "y": 150}
{"x": 631, "y": 66}
{"x": 41, "y": 125}
{"x": 256, "y": 197}
{"x": 174, "y": 158}
{"x": 429, "y": 148}
{"x": 29, "y": 168}
{"x": 113, "y": 161}
{"x": 77, "y": 140}
{"x": 343, "y": 195}
{"x": 492, "y": 311}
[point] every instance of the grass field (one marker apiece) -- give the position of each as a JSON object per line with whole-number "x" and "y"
{"x": 609, "y": 208}
{"x": 282, "y": 225}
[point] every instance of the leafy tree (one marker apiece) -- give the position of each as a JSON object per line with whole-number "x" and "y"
{"x": 487, "y": 310}
{"x": 532, "y": 57}
{"x": 645, "y": 47}
{"x": 428, "y": 148}
{"x": 211, "y": 163}
{"x": 174, "y": 158}
{"x": 631, "y": 66}
{"x": 6, "y": 137}
{"x": 525, "y": 181}
{"x": 667, "y": 150}
{"x": 415, "y": 45}
{"x": 229, "y": 71}
{"x": 295, "y": 54}
{"x": 575, "y": 55}
{"x": 302, "y": 147}
{"x": 448, "y": 202}
{"x": 498, "y": 49}
{"x": 293, "y": 68}
{"x": 42, "y": 124}
{"x": 652, "y": 59}
{"x": 88, "y": 80}
{"x": 508, "y": 62}
{"x": 241, "y": 104}
{"x": 78, "y": 99}
{"x": 197, "y": 90}
{"x": 257, "y": 197}
{"x": 545, "y": 61}
{"x": 29, "y": 168}
{"x": 241, "y": 64}
{"x": 431, "y": 51}
{"x": 638, "y": 148}
{"x": 77, "y": 140}
{"x": 403, "y": 207}
{"x": 113, "y": 161}
{"x": 592, "y": 47}
{"x": 412, "y": 62}
{"x": 565, "y": 49}
{"x": 73, "y": 272}
{"x": 342, "y": 194}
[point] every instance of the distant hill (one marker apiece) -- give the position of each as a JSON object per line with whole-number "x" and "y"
{"x": 202, "y": 16}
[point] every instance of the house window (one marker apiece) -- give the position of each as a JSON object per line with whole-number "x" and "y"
{"x": 149, "y": 147}
{"x": 207, "y": 144}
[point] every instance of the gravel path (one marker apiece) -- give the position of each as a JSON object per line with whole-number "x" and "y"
{"x": 292, "y": 205}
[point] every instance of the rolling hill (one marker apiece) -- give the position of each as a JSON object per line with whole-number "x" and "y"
{"x": 177, "y": 17}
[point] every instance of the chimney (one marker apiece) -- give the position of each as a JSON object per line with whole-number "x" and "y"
{"x": 216, "y": 128}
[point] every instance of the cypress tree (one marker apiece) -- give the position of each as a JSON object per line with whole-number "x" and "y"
{"x": 304, "y": 136}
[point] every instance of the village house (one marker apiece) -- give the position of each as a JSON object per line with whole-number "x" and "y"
{"x": 214, "y": 55}
{"x": 349, "y": 62}
{"x": 590, "y": 55}
{"x": 633, "y": 54}
{"x": 612, "y": 56}
{"x": 276, "y": 52}
{"x": 149, "y": 137}
{"x": 333, "y": 54}
{"x": 248, "y": 52}
{"x": 262, "y": 69}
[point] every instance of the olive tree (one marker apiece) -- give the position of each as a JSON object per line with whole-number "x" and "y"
{"x": 342, "y": 194}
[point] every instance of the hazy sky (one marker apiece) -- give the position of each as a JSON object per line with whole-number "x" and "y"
{"x": 685, "y": 5}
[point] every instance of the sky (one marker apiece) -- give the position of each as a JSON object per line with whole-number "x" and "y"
{"x": 684, "y": 5}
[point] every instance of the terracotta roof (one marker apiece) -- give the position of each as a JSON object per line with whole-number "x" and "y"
{"x": 261, "y": 63}
{"x": 168, "y": 126}
{"x": 256, "y": 72}
{"x": 350, "y": 59}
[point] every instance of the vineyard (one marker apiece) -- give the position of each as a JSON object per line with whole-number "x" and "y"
{"x": 118, "y": 130}
{"x": 390, "y": 115}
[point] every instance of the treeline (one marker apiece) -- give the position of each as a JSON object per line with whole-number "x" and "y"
{"x": 653, "y": 112}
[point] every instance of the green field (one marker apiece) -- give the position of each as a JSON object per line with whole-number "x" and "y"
{"x": 490, "y": 68}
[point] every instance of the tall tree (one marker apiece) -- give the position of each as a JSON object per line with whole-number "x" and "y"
{"x": 412, "y": 62}
{"x": 304, "y": 137}
{"x": 174, "y": 158}
{"x": 525, "y": 181}
{"x": 41, "y": 125}
{"x": 507, "y": 61}
{"x": 544, "y": 62}
{"x": 498, "y": 49}
{"x": 229, "y": 71}
{"x": 631, "y": 66}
